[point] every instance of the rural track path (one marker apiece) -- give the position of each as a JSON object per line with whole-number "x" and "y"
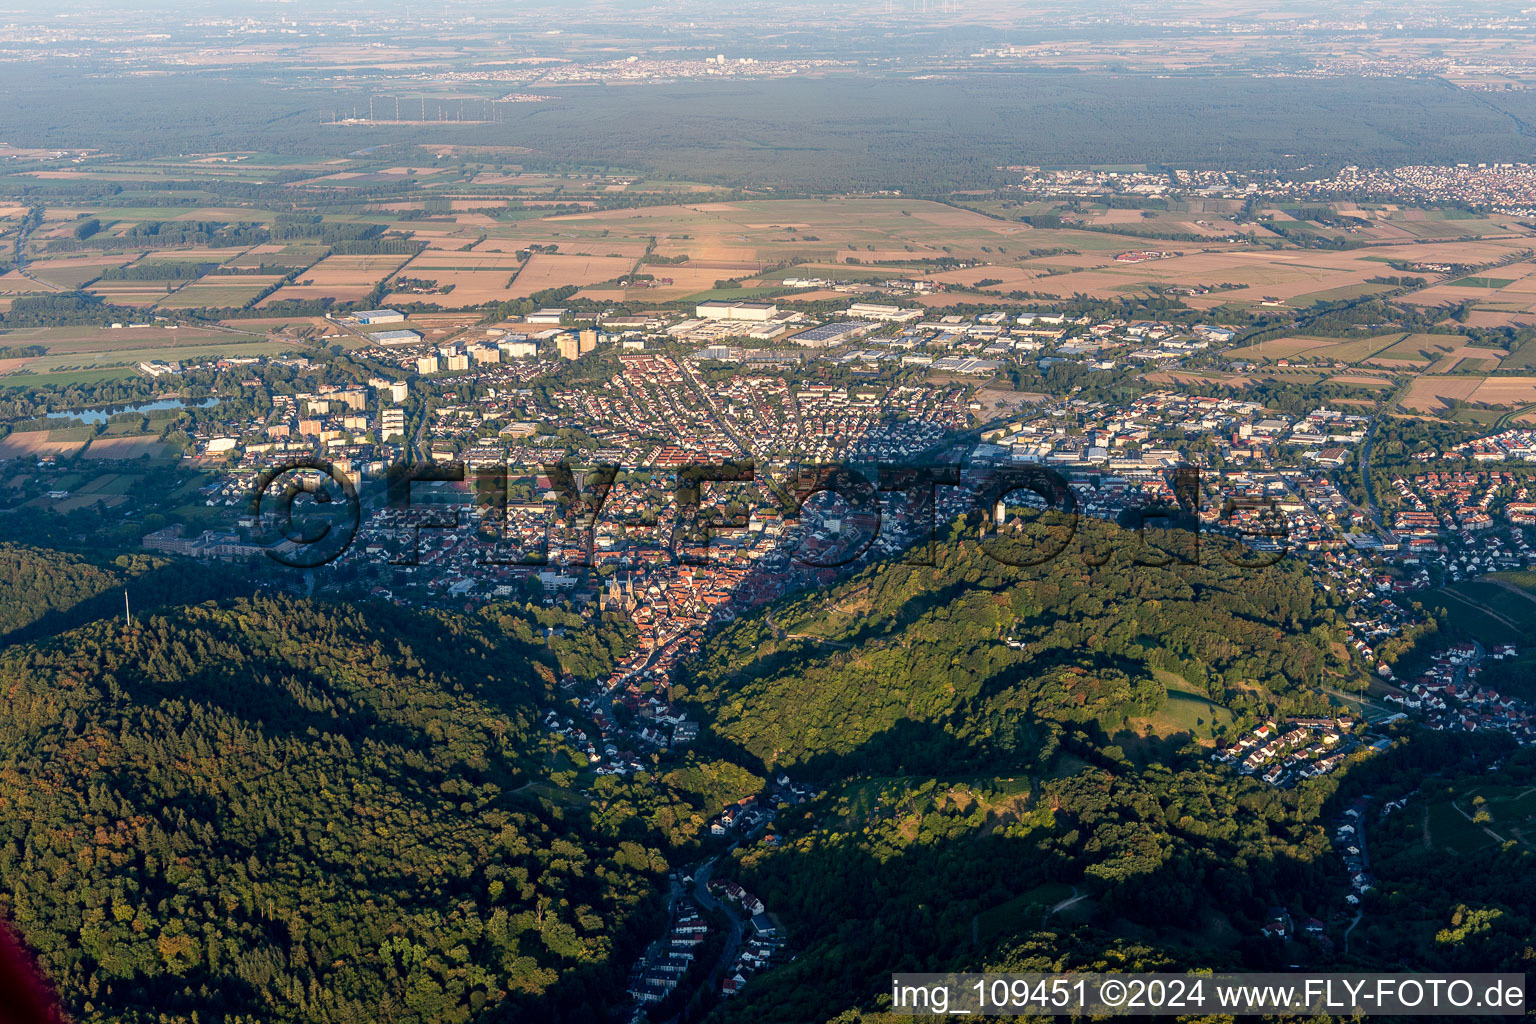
{"x": 1497, "y": 838}
{"x": 1480, "y": 607}
{"x": 1358, "y": 915}
{"x": 1072, "y": 900}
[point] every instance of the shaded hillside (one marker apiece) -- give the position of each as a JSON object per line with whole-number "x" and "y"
{"x": 296, "y": 811}
{"x": 36, "y": 582}
{"x": 44, "y": 591}
{"x": 907, "y": 668}
{"x": 1110, "y": 868}
{"x": 981, "y": 809}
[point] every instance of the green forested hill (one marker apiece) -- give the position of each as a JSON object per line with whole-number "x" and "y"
{"x": 983, "y": 808}
{"x": 973, "y": 785}
{"x": 285, "y": 810}
{"x": 44, "y": 591}
{"x": 35, "y": 582}
{"x": 1165, "y": 868}
{"x": 282, "y": 810}
{"x": 905, "y": 668}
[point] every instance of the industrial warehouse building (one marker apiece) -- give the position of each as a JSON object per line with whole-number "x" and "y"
{"x": 368, "y": 317}
{"x": 759, "y": 311}
{"x": 396, "y": 338}
{"x": 828, "y": 335}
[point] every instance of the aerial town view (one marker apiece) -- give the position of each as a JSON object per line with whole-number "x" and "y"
{"x": 734, "y": 513}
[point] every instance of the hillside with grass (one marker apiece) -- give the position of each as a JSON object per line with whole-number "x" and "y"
{"x": 970, "y": 661}
{"x": 1015, "y": 776}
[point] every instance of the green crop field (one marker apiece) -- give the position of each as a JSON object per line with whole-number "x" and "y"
{"x": 65, "y": 378}
{"x": 1483, "y": 282}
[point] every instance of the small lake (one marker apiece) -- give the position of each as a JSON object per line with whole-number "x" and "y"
{"x": 106, "y": 412}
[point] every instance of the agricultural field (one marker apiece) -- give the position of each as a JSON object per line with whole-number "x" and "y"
{"x": 1392, "y": 223}
{"x": 697, "y": 277}
{"x": 1208, "y": 224}
{"x": 1338, "y": 350}
{"x": 277, "y": 254}
{"x": 118, "y": 448}
{"x": 476, "y": 209}
{"x": 290, "y": 326}
{"x": 14, "y": 282}
{"x": 1431, "y": 357}
{"x": 30, "y": 444}
{"x": 343, "y": 278}
{"x": 1499, "y": 318}
{"x": 526, "y": 234}
{"x": 475, "y": 276}
{"x": 555, "y": 270}
{"x": 1429, "y": 394}
{"x": 107, "y": 352}
{"x": 441, "y": 235}
{"x": 1238, "y": 274}
{"x": 800, "y": 231}
{"x": 1217, "y": 378}
{"x": 134, "y": 293}
{"x": 807, "y": 234}
{"x": 66, "y": 272}
{"x": 219, "y": 291}
{"x": 1440, "y": 353}
{"x": 1505, "y": 292}
{"x": 1360, "y": 380}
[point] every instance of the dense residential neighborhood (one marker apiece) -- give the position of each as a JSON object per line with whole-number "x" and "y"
{"x": 500, "y": 398}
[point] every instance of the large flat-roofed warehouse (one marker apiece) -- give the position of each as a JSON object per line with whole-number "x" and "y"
{"x": 828, "y": 335}
{"x": 379, "y": 316}
{"x": 881, "y": 311}
{"x": 736, "y": 310}
{"x": 395, "y": 338}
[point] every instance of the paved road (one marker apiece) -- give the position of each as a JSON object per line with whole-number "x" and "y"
{"x": 742, "y": 441}
{"x": 706, "y": 898}
{"x": 1365, "y": 865}
{"x": 1358, "y": 915}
